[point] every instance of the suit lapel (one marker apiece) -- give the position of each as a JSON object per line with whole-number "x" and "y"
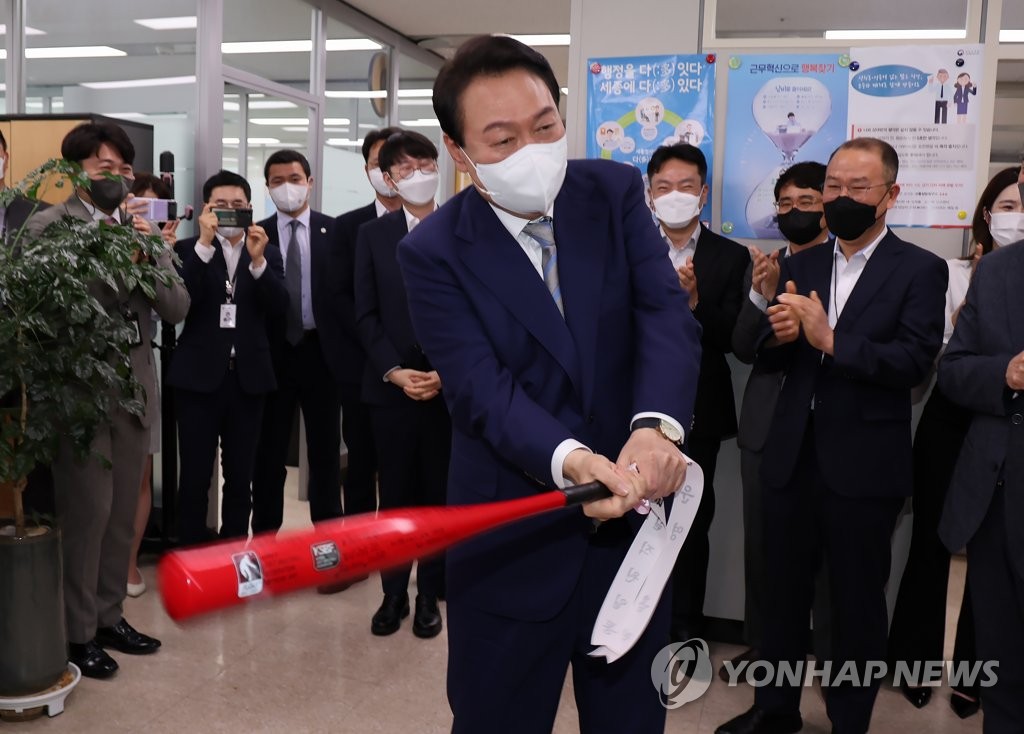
{"x": 495, "y": 257}
{"x": 882, "y": 263}
{"x": 1015, "y": 299}
{"x": 705, "y": 257}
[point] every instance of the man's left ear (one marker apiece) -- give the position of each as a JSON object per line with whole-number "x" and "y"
{"x": 894, "y": 193}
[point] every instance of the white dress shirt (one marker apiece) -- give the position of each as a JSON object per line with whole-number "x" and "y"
{"x": 232, "y": 253}
{"x": 679, "y": 255}
{"x": 515, "y": 226}
{"x": 381, "y": 209}
{"x": 284, "y": 234}
{"x": 845, "y": 274}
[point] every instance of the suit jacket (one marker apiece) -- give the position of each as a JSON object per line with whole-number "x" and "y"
{"x": 718, "y": 265}
{"x": 763, "y": 385}
{"x": 327, "y": 302}
{"x": 972, "y": 372}
{"x": 346, "y": 228}
{"x": 200, "y": 361}
{"x": 519, "y": 379}
{"x": 886, "y": 339}
{"x": 18, "y": 212}
{"x": 382, "y": 310}
{"x": 171, "y": 302}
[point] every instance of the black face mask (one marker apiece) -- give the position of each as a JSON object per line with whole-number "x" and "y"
{"x": 107, "y": 193}
{"x": 800, "y": 227}
{"x": 848, "y": 219}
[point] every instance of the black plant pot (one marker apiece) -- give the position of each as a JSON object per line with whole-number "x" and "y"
{"x": 33, "y": 638}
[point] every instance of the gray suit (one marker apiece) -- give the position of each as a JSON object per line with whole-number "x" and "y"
{"x": 759, "y": 399}
{"x": 95, "y": 504}
{"x": 985, "y": 504}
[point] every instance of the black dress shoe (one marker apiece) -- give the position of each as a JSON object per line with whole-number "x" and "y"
{"x": 919, "y": 696}
{"x": 125, "y": 638}
{"x": 962, "y": 706}
{"x": 759, "y": 721}
{"x": 388, "y": 618}
{"x": 92, "y": 660}
{"x": 426, "y": 622}
{"x": 739, "y": 664}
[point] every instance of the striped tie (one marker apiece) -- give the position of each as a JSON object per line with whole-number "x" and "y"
{"x": 542, "y": 233}
{"x": 293, "y": 284}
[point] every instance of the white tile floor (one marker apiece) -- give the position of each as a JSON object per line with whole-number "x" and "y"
{"x": 307, "y": 663}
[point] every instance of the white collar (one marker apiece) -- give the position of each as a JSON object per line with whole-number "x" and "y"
{"x": 513, "y": 223}
{"x": 868, "y": 251}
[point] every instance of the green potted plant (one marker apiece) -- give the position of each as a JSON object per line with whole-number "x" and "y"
{"x": 64, "y": 367}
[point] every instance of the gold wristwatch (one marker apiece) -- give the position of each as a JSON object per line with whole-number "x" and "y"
{"x": 668, "y": 431}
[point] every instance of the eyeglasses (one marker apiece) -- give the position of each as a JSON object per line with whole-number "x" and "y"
{"x": 224, "y": 204}
{"x": 805, "y": 203}
{"x": 857, "y": 191}
{"x": 406, "y": 169}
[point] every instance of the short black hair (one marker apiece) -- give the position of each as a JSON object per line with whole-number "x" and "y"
{"x": 225, "y": 178}
{"x": 405, "y": 143}
{"x": 145, "y": 181}
{"x": 286, "y": 156}
{"x": 483, "y": 56}
{"x": 85, "y": 140}
{"x": 680, "y": 152}
{"x": 890, "y": 159}
{"x": 805, "y": 175}
{"x": 375, "y": 136}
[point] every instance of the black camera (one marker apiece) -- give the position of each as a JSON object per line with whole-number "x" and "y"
{"x": 233, "y": 217}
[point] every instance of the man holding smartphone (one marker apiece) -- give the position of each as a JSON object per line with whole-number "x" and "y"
{"x": 221, "y": 369}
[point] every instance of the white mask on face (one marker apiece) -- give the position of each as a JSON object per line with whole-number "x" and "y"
{"x": 1006, "y": 227}
{"x": 677, "y": 209}
{"x": 528, "y": 180}
{"x": 289, "y": 197}
{"x": 229, "y": 233}
{"x": 419, "y": 188}
{"x": 378, "y": 184}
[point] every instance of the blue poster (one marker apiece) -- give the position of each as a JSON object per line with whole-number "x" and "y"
{"x": 783, "y": 109}
{"x": 636, "y": 103}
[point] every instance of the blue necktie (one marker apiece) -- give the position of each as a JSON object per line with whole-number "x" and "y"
{"x": 543, "y": 234}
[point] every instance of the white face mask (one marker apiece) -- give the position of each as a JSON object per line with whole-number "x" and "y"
{"x": 229, "y": 233}
{"x": 677, "y": 209}
{"x": 1006, "y": 227}
{"x": 528, "y": 180}
{"x": 289, "y": 197}
{"x": 377, "y": 182}
{"x": 419, "y": 188}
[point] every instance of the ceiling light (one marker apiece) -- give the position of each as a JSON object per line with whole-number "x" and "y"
{"x": 564, "y": 90}
{"x": 299, "y": 46}
{"x": 28, "y": 31}
{"x": 356, "y": 94}
{"x": 908, "y": 34}
{"x": 272, "y": 104}
{"x": 279, "y": 121}
{"x": 231, "y": 106}
{"x": 125, "y": 115}
{"x": 543, "y": 39}
{"x": 414, "y": 102}
{"x": 345, "y": 142}
{"x": 421, "y": 122}
{"x": 352, "y": 44}
{"x": 1009, "y": 35}
{"x": 165, "y": 81}
{"x": 70, "y": 52}
{"x": 179, "y": 23}
{"x": 251, "y": 141}
{"x": 428, "y": 92}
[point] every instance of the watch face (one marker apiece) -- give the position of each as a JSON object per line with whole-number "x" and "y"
{"x": 670, "y": 432}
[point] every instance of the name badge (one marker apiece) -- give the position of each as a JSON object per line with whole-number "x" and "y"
{"x": 227, "y": 315}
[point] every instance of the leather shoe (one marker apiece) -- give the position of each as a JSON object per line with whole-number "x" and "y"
{"x": 963, "y": 706}
{"x": 388, "y": 618}
{"x": 739, "y": 663}
{"x": 759, "y": 721}
{"x": 919, "y": 696}
{"x": 339, "y": 586}
{"x": 92, "y": 660}
{"x": 426, "y": 622}
{"x": 125, "y": 638}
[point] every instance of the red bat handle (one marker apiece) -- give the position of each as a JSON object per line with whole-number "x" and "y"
{"x": 200, "y": 580}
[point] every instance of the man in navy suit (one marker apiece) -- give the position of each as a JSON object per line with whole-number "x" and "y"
{"x": 543, "y": 298}
{"x": 983, "y": 370}
{"x": 356, "y": 430}
{"x": 306, "y": 341}
{"x": 410, "y": 421}
{"x": 857, "y": 325}
{"x": 221, "y": 370}
{"x": 710, "y": 269}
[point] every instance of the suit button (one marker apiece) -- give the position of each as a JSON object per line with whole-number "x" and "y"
{"x": 1016, "y": 419}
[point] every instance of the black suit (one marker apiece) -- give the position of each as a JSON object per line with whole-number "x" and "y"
{"x": 356, "y": 429}
{"x": 307, "y": 376}
{"x": 220, "y": 377}
{"x": 18, "y": 212}
{"x": 985, "y": 504}
{"x": 835, "y": 477}
{"x": 718, "y": 265}
{"x": 413, "y": 437}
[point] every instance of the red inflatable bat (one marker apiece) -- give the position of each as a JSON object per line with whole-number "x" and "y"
{"x": 201, "y": 580}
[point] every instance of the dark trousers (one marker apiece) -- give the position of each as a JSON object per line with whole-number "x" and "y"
{"x": 805, "y": 523}
{"x": 505, "y": 675}
{"x": 941, "y": 106}
{"x": 361, "y": 476}
{"x": 918, "y": 629}
{"x": 232, "y": 417}
{"x": 415, "y": 443}
{"x": 690, "y": 574}
{"x": 303, "y": 380}
{"x": 997, "y": 593}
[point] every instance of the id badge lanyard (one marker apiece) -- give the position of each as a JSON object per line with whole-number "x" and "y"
{"x": 229, "y": 309}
